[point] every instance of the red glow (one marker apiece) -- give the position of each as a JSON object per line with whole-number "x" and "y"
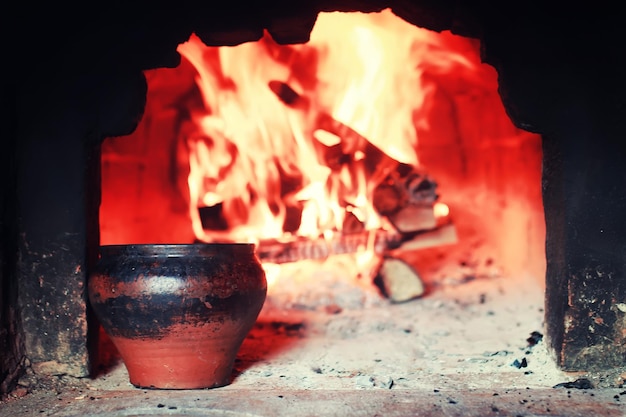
{"x": 265, "y": 120}
{"x": 285, "y": 141}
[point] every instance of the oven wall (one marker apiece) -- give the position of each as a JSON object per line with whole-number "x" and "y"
{"x": 61, "y": 121}
{"x": 50, "y": 199}
{"x": 561, "y": 75}
{"x": 12, "y": 359}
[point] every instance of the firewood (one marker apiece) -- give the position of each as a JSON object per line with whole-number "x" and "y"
{"x": 387, "y": 199}
{"x": 443, "y": 235}
{"x": 380, "y": 241}
{"x": 420, "y": 189}
{"x": 398, "y": 280}
{"x": 302, "y": 248}
{"x": 413, "y": 218}
{"x": 407, "y": 197}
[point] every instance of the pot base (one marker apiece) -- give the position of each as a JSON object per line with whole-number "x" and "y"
{"x": 186, "y": 359}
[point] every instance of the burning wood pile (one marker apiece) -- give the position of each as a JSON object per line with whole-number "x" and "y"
{"x": 406, "y": 198}
{"x": 309, "y": 162}
{"x": 409, "y": 205}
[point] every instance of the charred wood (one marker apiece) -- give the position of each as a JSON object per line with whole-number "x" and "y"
{"x": 379, "y": 241}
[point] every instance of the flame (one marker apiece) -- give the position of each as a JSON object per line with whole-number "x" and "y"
{"x": 310, "y": 128}
{"x": 441, "y": 210}
{"x": 367, "y": 84}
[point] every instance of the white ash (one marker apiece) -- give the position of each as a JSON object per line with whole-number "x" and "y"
{"x": 456, "y": 337}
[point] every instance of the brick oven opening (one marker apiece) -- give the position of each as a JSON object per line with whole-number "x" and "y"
{"x": 382, "y": 127}
{"x": 373, "y": 164}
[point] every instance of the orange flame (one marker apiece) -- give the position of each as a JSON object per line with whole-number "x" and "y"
{"x": 310, "y": 128}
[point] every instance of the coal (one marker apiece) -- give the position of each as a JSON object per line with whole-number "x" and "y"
{"x": 520, "y": 364}
{"x": 535, "y": 337}
{"x": 580, "y": 383}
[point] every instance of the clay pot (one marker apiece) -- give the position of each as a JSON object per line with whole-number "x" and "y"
{"x": 178, "y": 314}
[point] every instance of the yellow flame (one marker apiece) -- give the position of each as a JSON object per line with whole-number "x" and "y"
{"x": 441, "y": 210}
{"x": 361, "y": 71}
{"x": 369, "y": 77}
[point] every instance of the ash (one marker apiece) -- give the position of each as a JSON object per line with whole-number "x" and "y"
{"x": 333, "y": 334}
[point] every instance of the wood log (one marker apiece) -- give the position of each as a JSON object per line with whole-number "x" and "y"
{"x": 387, "y": 199}
{"x": 413, "y": 218}
{"x": 398, "y": 280}
{"x": 442, "y": 235}
{"x": 407, "y": 198}
{"x": 301, "y": 248}
{"x": 380, "y": 241}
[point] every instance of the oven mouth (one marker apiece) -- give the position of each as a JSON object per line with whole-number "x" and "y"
{"x": 189, "y": 172}
{"x": 316, "y": 291}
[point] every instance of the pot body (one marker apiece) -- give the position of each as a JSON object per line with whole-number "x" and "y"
{"x": 178, "y": 314}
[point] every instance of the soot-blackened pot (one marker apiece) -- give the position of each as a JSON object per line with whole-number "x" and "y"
{"x": 178, "y": 314}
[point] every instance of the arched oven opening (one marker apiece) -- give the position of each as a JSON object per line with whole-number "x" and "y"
{"x": 372, "y": 165}
{"x": 378, "y": 138}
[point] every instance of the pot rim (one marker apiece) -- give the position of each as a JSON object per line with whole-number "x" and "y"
{"x": 175, "y": 250}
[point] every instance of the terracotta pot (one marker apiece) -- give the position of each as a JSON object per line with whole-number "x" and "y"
{"x": 178, "y": 314}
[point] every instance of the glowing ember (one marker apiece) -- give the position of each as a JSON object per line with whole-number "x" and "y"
{"x": 292, "y": 141}
{"x": 441, "y": 210}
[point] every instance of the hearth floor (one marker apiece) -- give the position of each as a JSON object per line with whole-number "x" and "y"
{"x": 463, "y": 349}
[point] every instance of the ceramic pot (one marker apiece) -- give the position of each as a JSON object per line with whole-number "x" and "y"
{"x": 178, "y": 314}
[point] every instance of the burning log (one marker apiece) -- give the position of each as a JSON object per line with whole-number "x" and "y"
{"x": 442, "y": 235}
{"x": 413, "y": 218}
{"x": 345, "y": 146}
{"x": 300, "y": 248}
{"x": 398, "y": 281}
{"x": 406, "y": 197}
{"x": 351, "y": 148}
{"x": 379, "y": 241}
{"x": 401, "y": 193}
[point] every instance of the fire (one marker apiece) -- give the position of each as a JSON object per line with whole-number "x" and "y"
{"x": 441, "y": 210}
{"x": 292, "y": 141}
